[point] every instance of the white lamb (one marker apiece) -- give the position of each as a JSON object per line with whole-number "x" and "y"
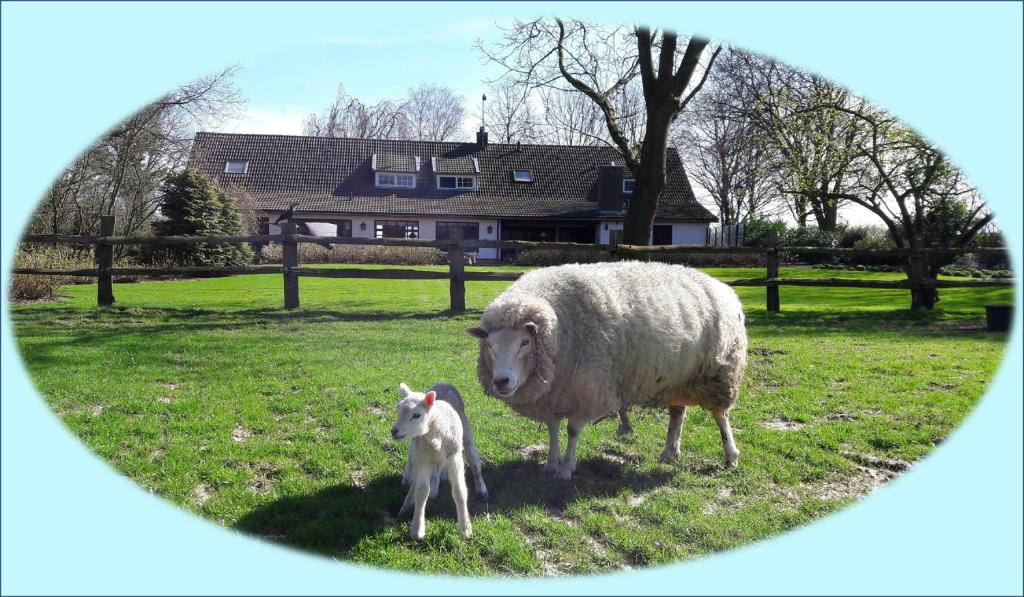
{"x": 435, "y": 429}
{"x": 581, "y": 342}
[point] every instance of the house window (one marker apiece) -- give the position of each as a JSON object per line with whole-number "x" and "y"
{"x": 456, "y": 182}
{"x": 395, "y": 229}
{"x": 235, "y": 167}
{"x": 522, "y": 175}
{"x": 458, "y": 231}
{"x": 403, "y": 181}
{"x": 627, "y": 186}
{"x": 341, "y": 228}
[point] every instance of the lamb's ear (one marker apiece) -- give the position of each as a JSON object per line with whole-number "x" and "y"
{"x": 429, "y": 398}
{"x": 403, "y": 390}
{"x": 531, "y": 327}
{"x": 477, "y": 332}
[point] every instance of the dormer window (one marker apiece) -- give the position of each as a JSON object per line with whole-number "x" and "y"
{"x": 627, "y": 186}
{"x": 522, "y": 175}
{"x": 394, "y": 180}
{"x": 456, "y": 182}
{"x": 236, "y": 167}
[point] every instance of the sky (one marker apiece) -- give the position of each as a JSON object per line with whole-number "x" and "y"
{"x": 284, "y": 87}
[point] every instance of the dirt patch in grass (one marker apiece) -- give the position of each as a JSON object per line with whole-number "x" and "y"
{"x": 240, "y": 434}
{"x": 783, "y": 424}
{"x": 203, "y": 493}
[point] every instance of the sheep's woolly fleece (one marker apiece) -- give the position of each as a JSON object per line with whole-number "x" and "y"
{"x": 613, "y": 333}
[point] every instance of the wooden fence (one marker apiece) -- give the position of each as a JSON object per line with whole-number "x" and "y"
{"x": 457, "y": 275}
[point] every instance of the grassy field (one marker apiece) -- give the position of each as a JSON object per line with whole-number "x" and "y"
{"x": 276, "y": 423}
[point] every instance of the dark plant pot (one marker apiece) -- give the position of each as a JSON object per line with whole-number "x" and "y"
{"x": 998, "y": 317}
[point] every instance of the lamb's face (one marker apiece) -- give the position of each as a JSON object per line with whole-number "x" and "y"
{"x": 511, "y": 353}
{"x": 412, "y": 414}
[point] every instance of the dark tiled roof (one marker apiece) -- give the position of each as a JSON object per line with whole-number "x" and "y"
{"x": 331, "y": 174}
{"x": 460, "y": 165}
{"x": 389, "y": 162}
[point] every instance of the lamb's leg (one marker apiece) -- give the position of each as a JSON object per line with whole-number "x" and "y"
{"x": 407, "y": 504}
{"x": 569, "y": 462}
{"x": 435, "y": 482}
{"x": 457, "y": 479}
{"x": 624, "y": 427}
{"x": 676, "y": 416}
{"x": 554, "y": 449}
{"x": 732, "y": 455}
{"x": 474, "y": 466}
{"x": 407, "y": 475}
{"x": 421, "y": 489}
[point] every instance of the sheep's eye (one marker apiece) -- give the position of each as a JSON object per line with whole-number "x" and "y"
{"x": 416, "y": 416}
{"x": 525, "y": 343}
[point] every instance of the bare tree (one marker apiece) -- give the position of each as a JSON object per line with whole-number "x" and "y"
{"x": 728, "y": 159}
{"x": 600, "y": 64}
{"x": 813, "y": 145}
{"x": 433, "y": 113}
{"x": 121, "y": 174}
{"x": 349, "y": 117}
{"x": 510, "y": 114}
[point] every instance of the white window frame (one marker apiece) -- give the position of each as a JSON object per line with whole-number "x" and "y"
{"x": 228, "y": 170}
{"x": 458, "y": 180}
{"x": 395, "y": 176}
{"x": 517, "y": 178}
{"x": 629, "y": 191}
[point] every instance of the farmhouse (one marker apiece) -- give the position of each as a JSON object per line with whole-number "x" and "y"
{"x": 373, "y": 188}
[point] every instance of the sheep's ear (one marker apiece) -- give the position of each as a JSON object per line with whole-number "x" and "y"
{"x": 531, "y": 327}
{"x": 429, "y": 398}
{"x": 403, "y": 390}
{"x": 477, "y": 332}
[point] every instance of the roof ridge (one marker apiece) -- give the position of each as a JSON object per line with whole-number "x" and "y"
{"x": 512, "y": 145}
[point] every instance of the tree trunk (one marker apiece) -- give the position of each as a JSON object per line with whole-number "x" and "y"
{"x": 649, "y": 182}
{"x": 918, "y": 271}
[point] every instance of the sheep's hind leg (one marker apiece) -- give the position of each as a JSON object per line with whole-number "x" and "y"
{"x": 732, "y": 454}
{"x": 478, "y": 477}
{"x": 624, "y": 427}
{"x": 676, "y": 416}
{"x": 457, "y": 480}
{"x": 569, "y": 462}
{"x": 554, "y": 448}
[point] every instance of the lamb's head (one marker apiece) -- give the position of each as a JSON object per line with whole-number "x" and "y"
{"x": 413, "y": 413}
{"x": 517, "y": 348}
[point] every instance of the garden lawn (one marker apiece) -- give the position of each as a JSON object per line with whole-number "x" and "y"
{"x": 276, "y": 423}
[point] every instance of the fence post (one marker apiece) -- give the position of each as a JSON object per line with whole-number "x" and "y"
{"x": 290, "y": 259}
{"x": 105, "y": 261}
{"x": 456, "y": 279}
{"x": 772, "y": 259}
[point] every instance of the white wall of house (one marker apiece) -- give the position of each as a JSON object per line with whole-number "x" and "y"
{"x": 690, "y": 233}
{"x": 604, "y": 230}
{"x": 428, "y": 227}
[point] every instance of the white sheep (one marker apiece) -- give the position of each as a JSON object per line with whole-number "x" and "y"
{"x": 435, "y": 429}
{"x": 448, "y": 393}
{"x": 581, "y": 342}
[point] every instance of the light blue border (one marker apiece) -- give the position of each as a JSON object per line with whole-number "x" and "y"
{"x": 72, "y": 525}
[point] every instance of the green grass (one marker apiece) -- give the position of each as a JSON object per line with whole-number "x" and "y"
{"x": 276, "y": 423}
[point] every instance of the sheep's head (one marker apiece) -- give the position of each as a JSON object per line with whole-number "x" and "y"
{"x": 413, "y": 413}
{"x": 516, "y": 356}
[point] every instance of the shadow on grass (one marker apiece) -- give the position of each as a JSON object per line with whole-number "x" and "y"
{"x": 334, "y": 520}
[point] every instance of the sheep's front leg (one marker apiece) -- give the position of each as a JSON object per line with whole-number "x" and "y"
{"x": 554, "y": 448}
{"x": 457, "y": 479}
{"x": 676, "y": 416}
{"x": 624, "y": 427}
{"x": 421, "y": 491}
{"x": 569, "y": 462}
{"x": 732, "y": 455}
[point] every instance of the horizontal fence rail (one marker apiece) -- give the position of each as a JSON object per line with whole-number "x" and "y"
{"x": 290, "y": 269}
